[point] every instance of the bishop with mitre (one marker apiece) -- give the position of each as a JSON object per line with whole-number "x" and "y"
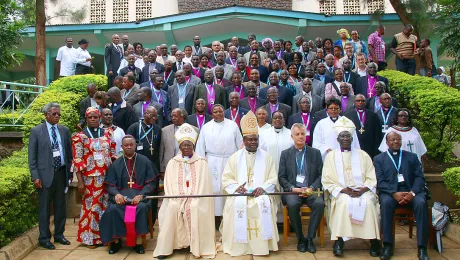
{"x": 187, "y": 222}
{"x": 249, "y": 224}
{"x": 349, "y": 177}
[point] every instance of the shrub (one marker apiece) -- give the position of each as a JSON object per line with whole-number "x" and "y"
{"x": 69, "y": 110}
{"x": 77, "y": 84}
{"x": 18, "y": 206}
{"x": 452, "y": 180}
{"x": 435, "y": 110}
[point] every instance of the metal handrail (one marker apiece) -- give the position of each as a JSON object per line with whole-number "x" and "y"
{"x": 13, "y": 95}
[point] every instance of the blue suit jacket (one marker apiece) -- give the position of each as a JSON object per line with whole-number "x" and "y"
{"x": 243, "y": 111}
{"x": 411, "y": 169}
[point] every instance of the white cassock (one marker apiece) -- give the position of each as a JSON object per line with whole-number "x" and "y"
{"x": 411, "y": 141}
{"x": 274, "y": 143}
{"x": 217, "y": 142}
{"x": 263, "y": 128}
{"x": 249, "y": 224}
{"x": 351, "y": 217}
{"x": 324, "y": 137}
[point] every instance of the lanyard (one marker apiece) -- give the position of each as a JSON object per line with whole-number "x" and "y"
{"x": 385, "y": 119}
{"x": 236, "y": 114}
{"x": 91, "y": 135}
{"x": 145, "y": 133}
{"x": 210, "y": 93}
{"x": 241, "y": 90}
{"x": 345, "y": 77}
{"x": 233, "y": 63}
{"x": 182, "y": 91}
{"x": 393, "y": 161}
{"x": 298, "y": 70}
{"x": 164, "y": 77}
{"x": 361, "y": 119}
{"x": 159, "y": 97}
{"x": 243, "y": 75}
{"x": 197, "y": 71}
{"x": 301, "y": 164}
{"x": 127, "y": 93}
{"x": 308, "y": 120}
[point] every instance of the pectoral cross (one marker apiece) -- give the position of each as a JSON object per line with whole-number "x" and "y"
{"x": 255, "y": 228}
{"x": 361, "y": 131}
{"x": 151, "y": 149}
{"x": 130, "y": 182}
{"x": 410, "y": 146}
{"x": 250, "y": 177}
{"x": 370, "y": 93}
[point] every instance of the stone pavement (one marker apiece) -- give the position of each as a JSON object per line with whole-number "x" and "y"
{"x": 355, "y": 249}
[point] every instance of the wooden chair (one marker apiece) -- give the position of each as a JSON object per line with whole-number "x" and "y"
{"x": 150, "y": 224}
{"x": 303, "y": 209}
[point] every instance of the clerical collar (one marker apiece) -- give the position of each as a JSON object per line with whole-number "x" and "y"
{"x": 148, "y": 126}
{"x": 396, "y": 152}
{"x": 360, "y": 110}
{"x": 187, "y": 157}
{"x": 200, "y": 115}
{"x": 130, "y": 158}
{"x": 249, "y": 151}
{"x": 252, "y": 98}
{"x": 345, "y": 150}
{"x": 334, "y": 119}
{"x": 278, "y": 130}
{"x": 234, "y": 108}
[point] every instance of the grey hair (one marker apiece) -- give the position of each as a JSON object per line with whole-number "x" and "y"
{"x": 300, "y": 99}
{"x": 232, "y": 93}
{"x": 382, "y": 83}
{"x": 50, "y": 105}
{"x": 183, "y": 113}
{"x": 373, "y": 63}
{"x": 298, "y": 126}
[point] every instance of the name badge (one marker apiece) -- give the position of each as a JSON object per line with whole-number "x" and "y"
{"x": 98, "y": 156}
{"x": 140, "y": 147}
{"x": 384, "y": 128}
{"x": 300, "y": 178}
{"x": 400, "y": 177}
{"x": 56, "y": 153}
{"x": 181, "y": 100}
{"x": 307, "y": 133}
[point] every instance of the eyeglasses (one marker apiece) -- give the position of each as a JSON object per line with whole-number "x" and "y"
{"x": 333, "y": 109}
{"x": 152, "y": 115}
{"x": 55, "y": 114}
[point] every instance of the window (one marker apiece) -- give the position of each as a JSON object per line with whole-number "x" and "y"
{"x": 120, "y": 11}
{"x": 143, "y": 9}
{"x": 327, "y": 6}
{"x": 351, "y": 7}
{"x": 375, "y": 5}
{"x": 97, "y": 11}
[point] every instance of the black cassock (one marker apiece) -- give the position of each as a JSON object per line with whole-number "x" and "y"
{"x": 370, "y": 138}
{"x": 112, "y": 223}
{"x": 153, "y": 156}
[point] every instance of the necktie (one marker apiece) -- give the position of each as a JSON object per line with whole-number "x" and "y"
{"x": 57, "y": 159}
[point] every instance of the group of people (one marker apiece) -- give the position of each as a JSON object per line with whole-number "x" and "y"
{"x": 248, "y": 120}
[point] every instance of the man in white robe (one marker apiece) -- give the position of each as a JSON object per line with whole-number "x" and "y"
{"x": 187, "y": 222}
{"x": 350, "y": 180}
{"x": 249, "y": 225}
{"x": 324, "y": 137}
{"x": 218, "y": 140}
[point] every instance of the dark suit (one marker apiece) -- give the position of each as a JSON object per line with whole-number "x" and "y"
{"x": 350, "y": 103}
{"x": 161, "y": 122}
{"x": 54, "y": 181}
{"x": 315, "y": 103}
{"x": 393, "y": 114}
{"x": 124, "y": 116}
{"x": 137, "y": 73}
{"x": 351, "y": 77}
{"x": 228, "y": 114}
{"x": 370, "y": 103}
{"x": 173, "y": 98}
{"x": 284, "y": 95}
{"x": 327, "y": 79}
{"x": 164, "y": 103}
{"x": 297, "y": 118}
{"x": 369, "y": 140}
{"x": 131, "y": 98}
{"x": 146, "y": 71}
{"x": 287, "y": 174}
{"x": 361, "y": 85}
{"x": 169, "y": 81}
{"x": 219, "y": 94}
{"x": 283, "y": 108}
{"x": 192, "y": 120}
{"x": 387, "y": 183}
{"x": 112, "y": 61}
{"x": 84, "y": 104}
{"x": 259, "y": 103}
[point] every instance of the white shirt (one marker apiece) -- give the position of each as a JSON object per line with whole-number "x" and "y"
{"x": 361, "y": 72}
{"x": 66, "y": 55}
{"x": 81, "y": 56}
{"x": 139, "y": 63}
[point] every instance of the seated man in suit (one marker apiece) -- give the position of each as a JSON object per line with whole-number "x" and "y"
{"x": 252, "y": 102}
{"x": 274, "y": 105}
{"x": 200, "y": 117}
{"x": 129, "y": 91}
{"x": 401, "y": 184}
{"x": 300, "y": 170}
{"x": 152, "y": 65}
{"x": 235, "y": 112}
{"x": 373, "y": 103}
{"x": 366, "y": 85}
{"x": 144, "y": 96}
{"x": 315, "y": 100}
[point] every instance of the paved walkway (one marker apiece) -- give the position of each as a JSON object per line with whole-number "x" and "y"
{"x": 355, "y": 249}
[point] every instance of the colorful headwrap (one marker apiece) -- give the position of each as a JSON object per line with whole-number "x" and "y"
{"x": 345, "y": 31}
{"x": 267, "y": 40}
{"x": 92, "y": 109}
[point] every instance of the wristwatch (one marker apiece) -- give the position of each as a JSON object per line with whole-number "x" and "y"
{"x": 413, "y": 194}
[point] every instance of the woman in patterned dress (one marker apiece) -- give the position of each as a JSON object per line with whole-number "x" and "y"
{"x": 93, "y": 150}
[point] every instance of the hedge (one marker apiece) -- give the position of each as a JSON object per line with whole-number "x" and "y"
{"x": 18, "y": 206}
{"x": 77, "y": 84}
{"x": 435, "y": 110}
{"x": 452, "y": 181}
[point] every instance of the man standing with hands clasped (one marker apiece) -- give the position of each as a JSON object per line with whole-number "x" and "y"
{"x": 50, "y": 158}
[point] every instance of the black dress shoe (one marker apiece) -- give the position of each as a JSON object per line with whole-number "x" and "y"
{"x": 301, "y": 247}
{"x": 310, "y": 246}
{"x": 62, "y": 241}
{"x": 48, "y": 245}
{"x": 337, "y": 248}
{"x": 161, "y": 257}
{"x": 423, "y": 254}
{"x": 114, "y": 247}
{"x": 376, "y": 248}
{"x": 387, "y": 252}
{"x": 139, "y": 249}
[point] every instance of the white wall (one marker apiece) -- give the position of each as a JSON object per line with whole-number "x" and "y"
{"x": 52, "y": 10}
{"x": 312, "y": 6}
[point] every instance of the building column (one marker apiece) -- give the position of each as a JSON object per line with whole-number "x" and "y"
{"x": 434, "y": 50}
{"x": 49, "y": 67}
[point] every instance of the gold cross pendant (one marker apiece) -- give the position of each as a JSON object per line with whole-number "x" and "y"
{"x": 151, "y": 149}
{"x": 130, "y": 182}
{"x": 361, "y": 131}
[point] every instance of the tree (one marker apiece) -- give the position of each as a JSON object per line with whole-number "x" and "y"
{"x": 10, "y": 37}
{"x": 40, "y": 43}
{"x": 448, "y": 28}
{"x": 70, "y": 14}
